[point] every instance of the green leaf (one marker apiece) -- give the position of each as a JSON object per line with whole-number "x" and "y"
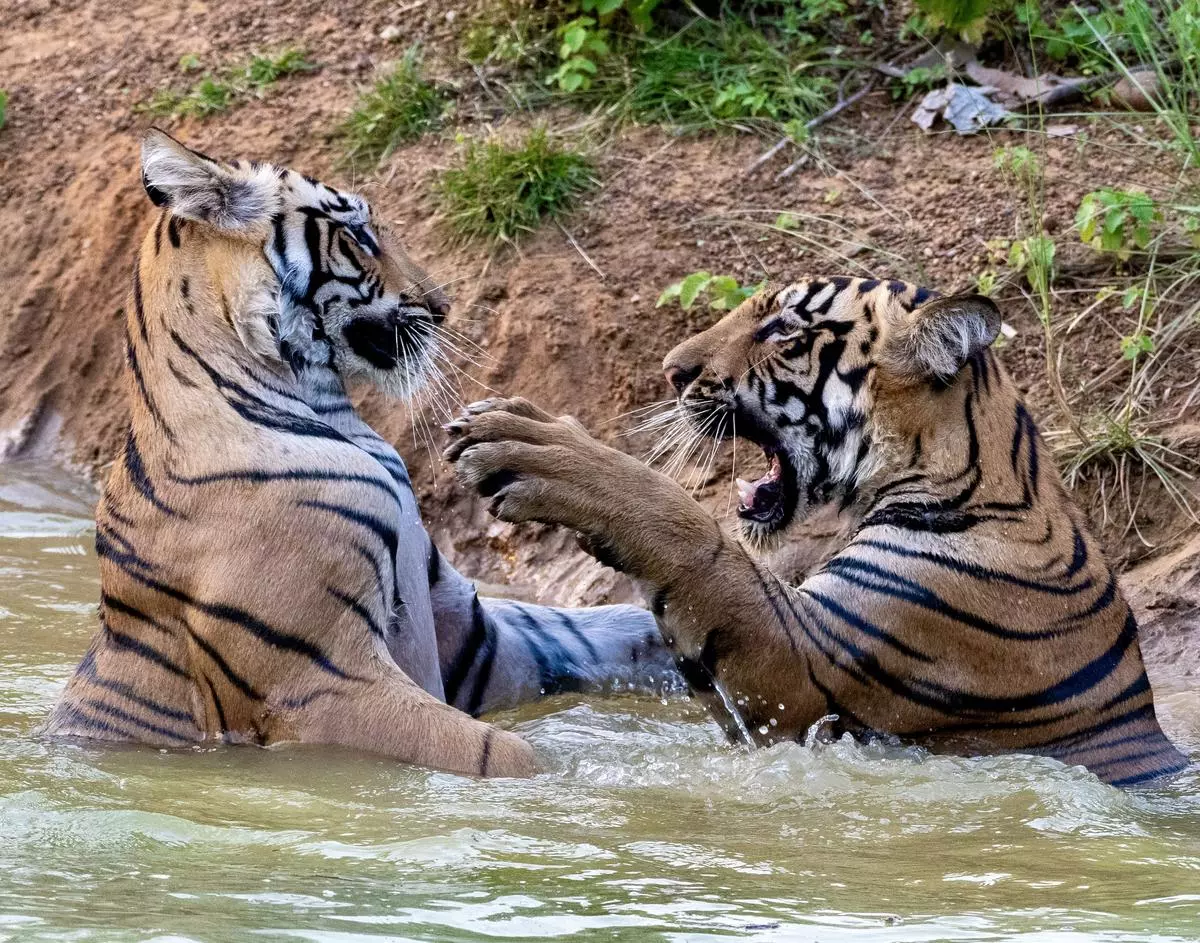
{"x": 691, "y": 287}
{"x": 1136, "y": 346}
{"x": 670, "y": 293}
{"x": 573, "y": 39}
{"x": 604, "y": 7}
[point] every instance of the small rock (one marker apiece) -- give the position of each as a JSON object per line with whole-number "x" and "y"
{"x": 390, "y": 33}
{"x": 451, "y": 15}
{"x": 927, "y": 252}
{"x": 1137, "y": 91}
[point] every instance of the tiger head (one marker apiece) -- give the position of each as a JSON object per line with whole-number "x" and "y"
{"x": 321, "y": 280}
{"x": 808, "y": 373}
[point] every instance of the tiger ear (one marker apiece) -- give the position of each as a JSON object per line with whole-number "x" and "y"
{"x": 939, "y": 337}
{"x": 194, "y": 186}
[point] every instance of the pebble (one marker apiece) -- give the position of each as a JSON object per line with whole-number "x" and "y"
{"x": 390, "y": 33}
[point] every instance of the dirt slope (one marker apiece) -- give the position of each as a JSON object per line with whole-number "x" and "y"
{"x": 887, "y": 200}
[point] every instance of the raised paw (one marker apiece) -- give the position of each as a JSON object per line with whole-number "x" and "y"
{"x": 517, "y": 477}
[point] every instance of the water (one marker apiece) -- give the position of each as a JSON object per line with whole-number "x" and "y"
{"x": 646, "y": 826}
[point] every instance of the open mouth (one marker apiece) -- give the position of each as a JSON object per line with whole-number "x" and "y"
{"x": 769, "y": 501}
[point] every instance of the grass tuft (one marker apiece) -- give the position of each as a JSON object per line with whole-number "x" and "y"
{"x": 399, "y": 108}
{"x": 498, "y": 193}
{"x": 215, "y": 93}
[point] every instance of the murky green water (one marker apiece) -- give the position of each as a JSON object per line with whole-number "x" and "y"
{"x": 646, "y": 828}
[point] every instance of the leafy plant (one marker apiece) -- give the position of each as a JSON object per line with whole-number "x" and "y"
{"x": 400, "y": 107}
{"x": 1116, "y": 221}
{"x": 584, "y": 39}
{"x": 723, "y": 292}
{"x": 582, "y": 43}
{"x": 1136, "y": 345}
{"x": 498, "y": 192}
{"x": 917, "y": 80}
{"x": 959, "y": 16}
{"x": 1033, "y": 257}
{"x": 1019, "y": 163}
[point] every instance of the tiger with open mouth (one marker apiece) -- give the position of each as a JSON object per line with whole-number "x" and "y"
{"x": 971, "y": 612}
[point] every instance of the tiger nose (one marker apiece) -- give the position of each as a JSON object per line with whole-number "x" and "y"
{"x": 680, "y": 377}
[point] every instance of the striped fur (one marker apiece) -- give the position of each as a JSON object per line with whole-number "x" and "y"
{"x": 973, "y": 610}
{"x": 265, "y": 575}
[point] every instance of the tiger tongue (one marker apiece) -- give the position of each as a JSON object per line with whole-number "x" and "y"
{"x": 763, "y": 493}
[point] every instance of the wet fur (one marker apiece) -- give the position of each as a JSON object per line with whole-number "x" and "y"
{"x": 972, "y": 612}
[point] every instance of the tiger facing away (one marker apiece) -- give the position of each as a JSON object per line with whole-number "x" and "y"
{"x": 971, "y": 612}
{"x": 264, "y": 572}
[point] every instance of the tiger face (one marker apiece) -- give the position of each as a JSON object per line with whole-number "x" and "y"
{"x": 799, "y": 370}
{"x": 344, "y": 292}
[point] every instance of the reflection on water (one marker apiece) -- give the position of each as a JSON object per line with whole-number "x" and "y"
{"x": 645, "y": 827}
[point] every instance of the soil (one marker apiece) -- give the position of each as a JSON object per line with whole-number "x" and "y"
{"x": 568, "y": 320}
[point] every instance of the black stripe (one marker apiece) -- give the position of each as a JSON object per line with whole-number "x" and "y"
{"x": 139, "y": 309}
{"x": 487, "y": 752}
{"x": 265, "y": 633}
{"x": 256, "y": 476}
{"x": 136, "y": 470}
{"x": 357, "y": 608}
{"x": 151, "y": 406}
{"x": 220, "y": 708}
{"x": 574, "y": 631}
{"x": 379, "y": 527}
{"x": 142, "y": 650}
{"x": 126, "y": 691}
{"x": 113, "y": 711}
{"x": 460, "y": 666}
{"x": 232, "y": 676}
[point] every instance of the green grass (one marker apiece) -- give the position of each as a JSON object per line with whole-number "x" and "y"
{"x": 3, "y": 107}
{"x": 499, "y": 193}
{"x": 399, "y": 108}
{"x": 219, "y": 91}
{"x": 712, "y": 76}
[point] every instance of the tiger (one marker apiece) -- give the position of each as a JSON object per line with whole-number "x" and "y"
{"x": 970, "y": 612}
{"x": 264, "y": 572}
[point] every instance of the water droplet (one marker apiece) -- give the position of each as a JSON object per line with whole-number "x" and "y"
{"x": 774, "y": 722}
{"x": 781, "y": 707}
{"x": 763, "y": 730}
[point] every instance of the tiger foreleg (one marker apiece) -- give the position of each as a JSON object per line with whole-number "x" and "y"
{"x": 391, "y": 715}
{"x": 709, "y": 597}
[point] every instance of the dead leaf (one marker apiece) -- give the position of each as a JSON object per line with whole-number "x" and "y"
{"x": 967, "y": 108}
